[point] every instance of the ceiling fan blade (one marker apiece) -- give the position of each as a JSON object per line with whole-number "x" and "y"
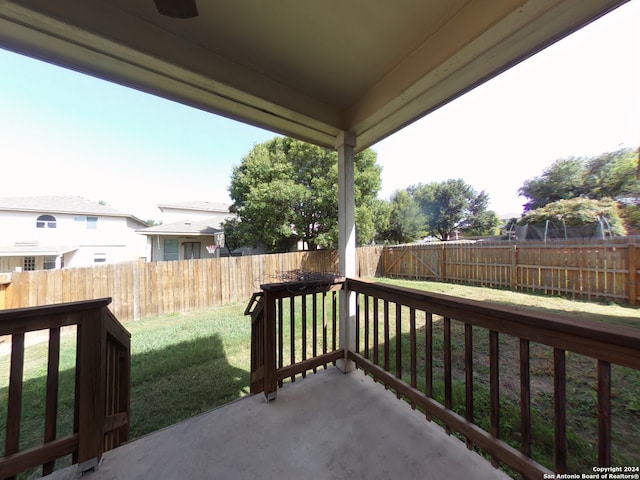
{"x": 177, "y": 8}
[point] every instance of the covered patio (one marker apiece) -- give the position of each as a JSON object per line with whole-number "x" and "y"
{"x": 344, "y": 76}
{"x": 319, "y": 428}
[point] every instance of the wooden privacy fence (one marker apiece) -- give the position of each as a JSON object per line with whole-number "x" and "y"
{"x": 584, "y": 269}
{"x": 140, "y": 289}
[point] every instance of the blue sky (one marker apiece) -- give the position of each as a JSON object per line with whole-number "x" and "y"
{"x": 67, "y": 133}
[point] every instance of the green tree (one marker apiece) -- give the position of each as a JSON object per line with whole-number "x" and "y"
{"x": 286, "y": 190}
{"x": 609, "y": 175}
{"x": 612, "y": 175}
{"x": 452, "y": 206}
{"x": 564, "y": 179}
{"x": 406, "y": 222}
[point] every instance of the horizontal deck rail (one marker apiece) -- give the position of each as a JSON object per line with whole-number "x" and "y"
{"x": 102, "y": 385}
{"x": 436, "y": 351}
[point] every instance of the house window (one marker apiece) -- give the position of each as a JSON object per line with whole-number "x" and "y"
{"x": 171, "y": 249}
{"x": 46, "y": 221}
{"x": 29, "y": 264}
{"x": 91, "y": 222}
{"x": 99, "y": 257}
{"x": 49, "y": 262}
{"x": 191, "y": 250}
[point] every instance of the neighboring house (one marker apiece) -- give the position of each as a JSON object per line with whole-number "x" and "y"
{"x": 184, "y": 240}
{"x": 65, "y": 231}
{"x": 189, "y": 230}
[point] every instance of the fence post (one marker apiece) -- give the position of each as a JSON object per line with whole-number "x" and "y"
{"x": 90, "y": 407}
{"x": 443, "y": 263}
{"x": 633, "y": 272}
{"x": 514, "y": 267}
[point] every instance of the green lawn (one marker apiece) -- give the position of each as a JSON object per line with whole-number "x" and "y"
{"x": 186, "y": 364}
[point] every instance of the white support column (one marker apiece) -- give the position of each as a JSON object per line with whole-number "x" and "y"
{"x": 345, "y": 144}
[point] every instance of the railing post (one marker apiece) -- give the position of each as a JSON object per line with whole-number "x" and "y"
{"x": 269, "y": 324}
{"x": 345, "y": 144}
{"x": 90, "y": 364}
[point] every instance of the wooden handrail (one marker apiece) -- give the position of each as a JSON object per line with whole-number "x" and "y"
{"x": 29, "y": 319}
{"x": 102, "y": 390}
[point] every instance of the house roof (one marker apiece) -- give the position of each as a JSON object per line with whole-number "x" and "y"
{"x": 307, "y": 69}
{"x": 61, "y": 204}
{"x": 202, "y": 206}
{"x": 185, "y": 227}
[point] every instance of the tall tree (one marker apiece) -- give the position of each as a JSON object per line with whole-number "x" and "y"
{"x": 285, "y": 190}
{"x": 563, "y": 180}
{"x": 608, "y": 175}
{"x": 452, "y": 206}
{"x": 406, "y": 222}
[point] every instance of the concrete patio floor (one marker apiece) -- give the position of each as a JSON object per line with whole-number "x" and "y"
{"x": 327, "y": 426}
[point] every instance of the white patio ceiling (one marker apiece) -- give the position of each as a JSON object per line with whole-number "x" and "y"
{"x": 305, "y": 68}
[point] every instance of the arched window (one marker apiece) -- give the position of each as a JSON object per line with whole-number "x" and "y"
{"x": 46, "y": 221}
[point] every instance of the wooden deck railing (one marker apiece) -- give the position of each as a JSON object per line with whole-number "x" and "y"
{"x": 294, "y": 330}
{"x": 102, "y": 385}
{"x": 384, "y": 311}
{"x": 396, "y": 344}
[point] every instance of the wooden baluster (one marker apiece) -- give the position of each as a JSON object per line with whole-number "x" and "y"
{"x": 604, "y": 413}
{"x": 292, "y": 329}
{"x": 398, "y": 340}
{"x": 357, "y": 314}
{"x": 314, "y": 334}
{"x": 468, "y": 375}
{"x": 376, "y": 333}
{"x": 14, "y": 406}
{"x": 303, "y": 333}
{"x": 51, "y": 402}
{"x": 280, "y": 352}
{"x": 386, "y": 334}
{"x": 560, "y": 409}
{"x": 525, "y": 398}
{"x": 494, "y": 388}
{"x": 428, "y": 355}
{"x": 366, "y": 326}
{"x": 324, "y": 324}
{"x": 447, "y": 367}
{"x": 412, "y": 341}
{"x": 334, "y": 320}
